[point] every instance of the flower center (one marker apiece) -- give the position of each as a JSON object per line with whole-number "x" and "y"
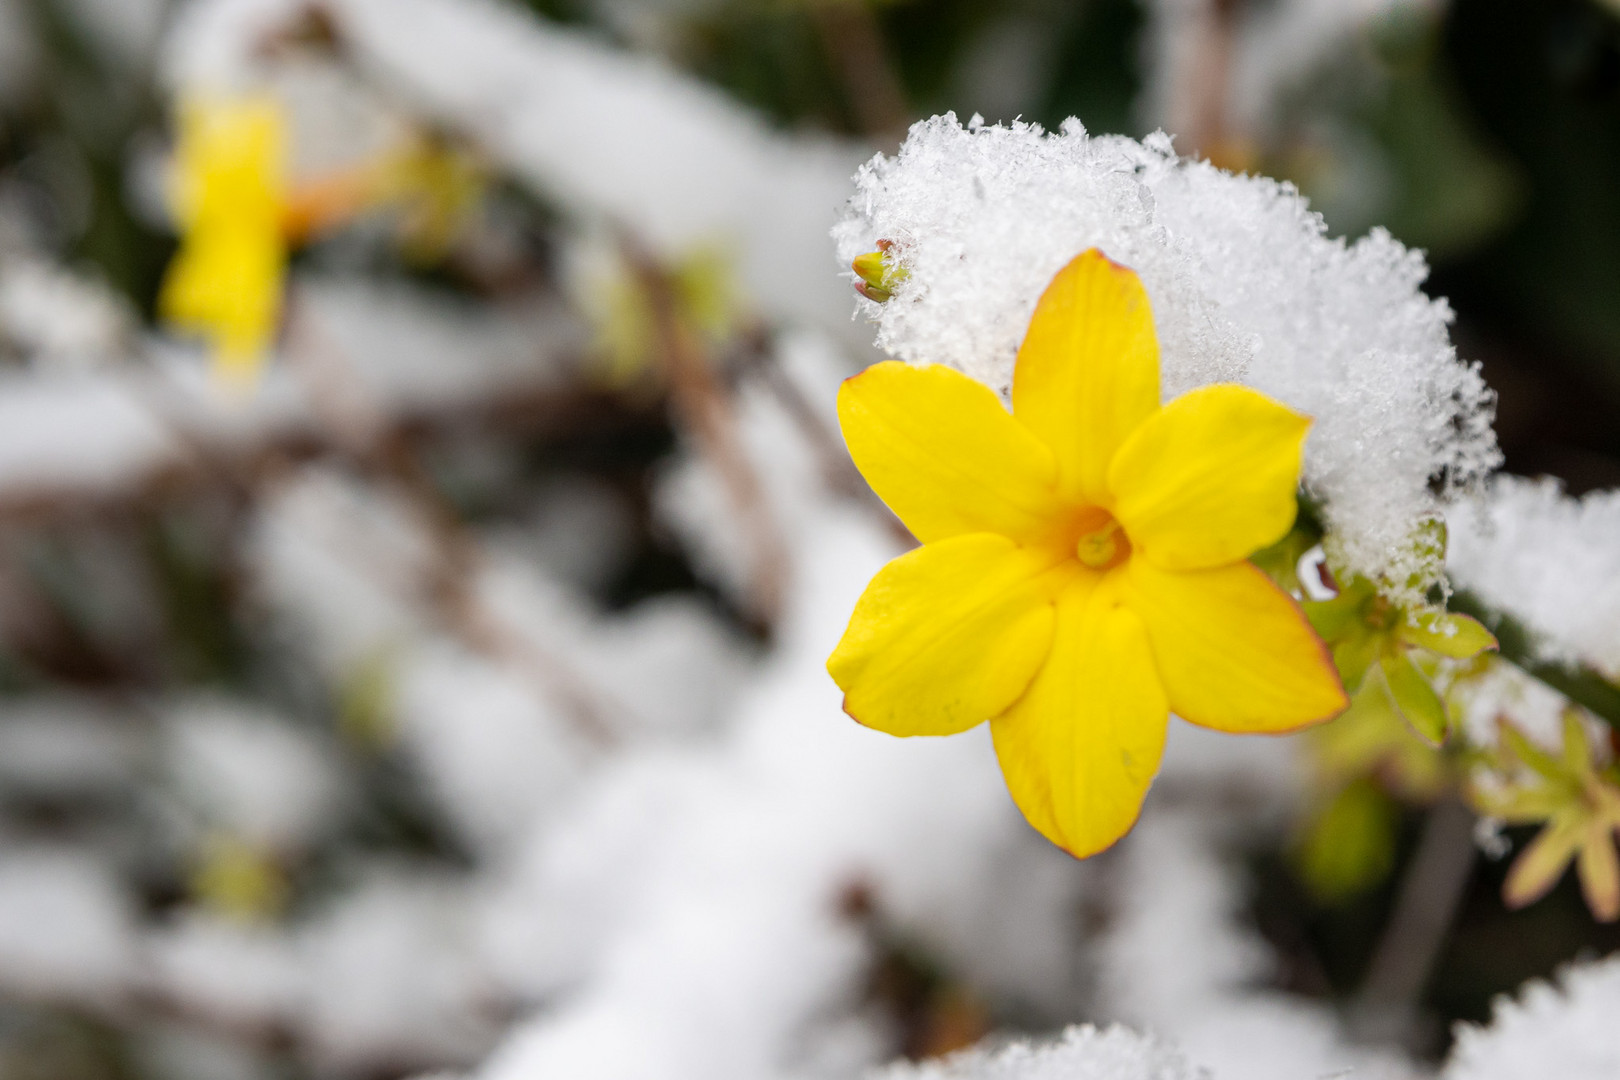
{"x": 1103, "y": 545}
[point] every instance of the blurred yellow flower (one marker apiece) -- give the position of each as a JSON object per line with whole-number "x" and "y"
{"x": 229, "y": 191}
{"x": 1083, "y": 563}
{"x": 1580, "y": 804}
{"x": 432, "y": 185}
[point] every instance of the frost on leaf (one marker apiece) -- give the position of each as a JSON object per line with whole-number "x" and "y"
{"x": 1245, "y": 285}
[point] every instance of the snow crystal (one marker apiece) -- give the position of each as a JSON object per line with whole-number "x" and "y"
{"x": 1550, "y": 561}
{"x": 1081, "y": 1053}
{"x": 1245, "y": 286}
{"x": 1564, "y": 1030}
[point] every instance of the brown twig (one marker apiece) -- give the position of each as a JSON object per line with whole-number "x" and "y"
{"x": 457, "y": 555}
{"x": 1201, "y": 109}
{"x": 704, "y": 409}
{"x": 854, "y": 42}
{"x": 1385, "y": 1009}
{"x": 838, "y": 472}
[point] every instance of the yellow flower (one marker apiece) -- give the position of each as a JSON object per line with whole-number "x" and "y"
{"x": 1083, "y": 563}
{"x": 225, "y": 283}
{"x": 1581, "y": 806}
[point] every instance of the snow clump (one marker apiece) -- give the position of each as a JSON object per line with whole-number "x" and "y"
{"x": 1550, "y": 561}
{"x": 1245, "y": 285}
{"x": 1081, "y": 1053}
{"x": 1565, "y": 1031}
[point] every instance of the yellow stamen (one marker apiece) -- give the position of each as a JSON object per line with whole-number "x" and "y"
{"x": 1103, "y": 547}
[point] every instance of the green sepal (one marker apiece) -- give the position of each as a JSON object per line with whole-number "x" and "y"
{"x": 1336, "y": 618}
{"x": 1449, "y": 634}
{"x": 1416, "y": 700}
{"x": 1354, "y": 654}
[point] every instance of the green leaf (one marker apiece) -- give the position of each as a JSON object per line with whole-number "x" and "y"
{"x": 1453, "y": 635}
{"x": 1413, "y": 696}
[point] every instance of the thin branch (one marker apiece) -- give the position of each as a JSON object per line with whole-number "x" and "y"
{"x": 1581, "y": 684}
{"x": 838, "y": 472}
{"x": 1201, "y": 107}
{"x": 704, "y": 409}
{"x": 854, "y": 42}
{"x": 457, "y": 554}
{"x": 1436, "y": 880}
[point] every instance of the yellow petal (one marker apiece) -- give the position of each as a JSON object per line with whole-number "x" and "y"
{"x": 1539, "y": 867}
{"x": 225, "y": 281}
{"x": 1234, "y": 651}
{"x": 1080, "y": 748}
{"x": 1209, "y": 478}
{"x": 940, "y": 450}
{"x": 945, "y": 636}
{"x": 1088, "y": 370}
{"x": 1600, "y": 874}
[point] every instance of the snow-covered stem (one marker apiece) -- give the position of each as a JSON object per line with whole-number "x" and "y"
{"x": 1582, "y": 684}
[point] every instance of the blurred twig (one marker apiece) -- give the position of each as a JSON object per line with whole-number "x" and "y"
{"x": 1385, "y": 1009}
{"x": 838, "y": 472}
{"x": 457, "y": 556}
{"x": 705, "y": 411}
{"x": 854, "y": 42}
{"x": 1201, "y": 108}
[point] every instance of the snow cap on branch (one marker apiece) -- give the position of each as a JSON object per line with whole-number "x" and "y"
{"x": 1550, "y": 561}
{"x": 1245, "y": 284}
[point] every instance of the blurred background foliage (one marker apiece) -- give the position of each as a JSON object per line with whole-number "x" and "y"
{"x": 1486, "y": 132}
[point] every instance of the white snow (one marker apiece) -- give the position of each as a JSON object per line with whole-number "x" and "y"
{"x": 1245, "y": 286}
